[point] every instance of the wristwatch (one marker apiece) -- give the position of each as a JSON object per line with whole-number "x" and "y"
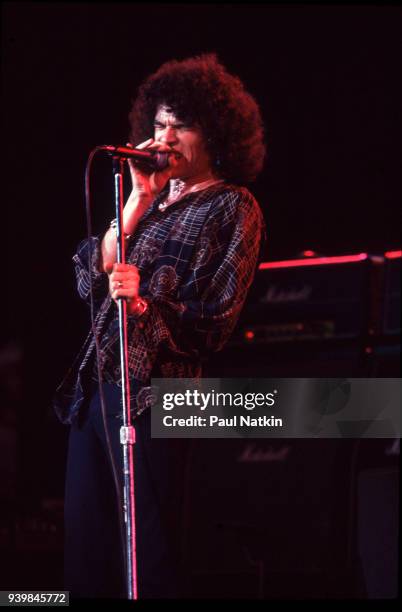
{"x": 141, "y": 307}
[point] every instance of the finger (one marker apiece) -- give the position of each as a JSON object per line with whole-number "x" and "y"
{"x": 135, "y": 172}
{"x": 127, "y": 286}
{"x": 123, "y": 267}
{"x": 145, "y": 144}
{"x": 160, "y": 146}
{"x": 122, "y": 276}
{"x": 124, "y": 293}
{"x": 159, "y": 179}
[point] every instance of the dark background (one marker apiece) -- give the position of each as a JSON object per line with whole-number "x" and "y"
{"x": 328, "y": 82}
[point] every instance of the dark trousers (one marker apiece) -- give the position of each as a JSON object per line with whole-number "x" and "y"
{"x": 94, "y": 562}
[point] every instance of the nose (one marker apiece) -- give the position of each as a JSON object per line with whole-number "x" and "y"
{"x": 169, "y": 136}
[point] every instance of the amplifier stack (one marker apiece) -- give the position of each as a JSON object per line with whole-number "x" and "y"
{"x": 328, "y": 316}
{"x": 307, "y": 518}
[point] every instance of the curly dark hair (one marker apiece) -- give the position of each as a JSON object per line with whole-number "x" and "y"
{"x": 199, "y": 90}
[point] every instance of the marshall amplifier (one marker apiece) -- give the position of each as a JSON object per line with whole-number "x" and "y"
{"x": 270, "y": 519}
{"x": 315, "y": 298}
{"x": 318, "y": 316}
{"x": 291, "y": 519}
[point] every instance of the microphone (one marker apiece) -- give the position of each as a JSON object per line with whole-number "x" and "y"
{"x": 148, "y": 161}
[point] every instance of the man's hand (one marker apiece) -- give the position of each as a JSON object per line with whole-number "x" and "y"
{"x": 145, "y": 188}
{"x": 124, "y": 281}
{"x": 148, "y": 186}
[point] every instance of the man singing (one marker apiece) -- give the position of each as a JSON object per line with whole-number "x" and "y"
{"x": 192, "y": 233}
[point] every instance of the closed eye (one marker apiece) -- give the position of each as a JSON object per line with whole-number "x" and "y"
{"x": 176, "y": 126}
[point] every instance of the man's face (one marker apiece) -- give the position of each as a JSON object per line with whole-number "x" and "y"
{"x": 185, "y": 140}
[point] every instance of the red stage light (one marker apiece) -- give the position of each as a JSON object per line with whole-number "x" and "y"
{"x": 393, "y": 254}
{"x": 317, "y": 261}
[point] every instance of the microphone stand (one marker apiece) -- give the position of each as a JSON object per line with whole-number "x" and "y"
{"x": 127, "y": 431}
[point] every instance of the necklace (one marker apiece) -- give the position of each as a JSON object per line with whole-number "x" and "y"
{"x": 177, "y": 190}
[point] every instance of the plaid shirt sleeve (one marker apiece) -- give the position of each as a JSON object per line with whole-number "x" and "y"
{"x": 209, "y": 298}
{"x": 99, "y": 279}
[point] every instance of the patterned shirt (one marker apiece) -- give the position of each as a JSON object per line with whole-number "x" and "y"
{"x": 196, "y": 261}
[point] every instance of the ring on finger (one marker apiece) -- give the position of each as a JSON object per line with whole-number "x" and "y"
{"x": 119, "y": 283}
